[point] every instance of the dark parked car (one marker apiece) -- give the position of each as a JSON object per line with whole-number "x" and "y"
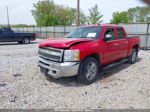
{"x": 8, "y": 35}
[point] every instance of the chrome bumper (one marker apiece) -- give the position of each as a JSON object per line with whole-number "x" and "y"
{"x": 57, "y": 70}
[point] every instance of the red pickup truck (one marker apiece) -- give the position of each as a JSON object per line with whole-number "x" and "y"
{"x": 86, "y": 50}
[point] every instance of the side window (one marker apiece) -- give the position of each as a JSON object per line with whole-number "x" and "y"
{"x": 121, "y": 33}
{"x": 5, "y": 30}
{"x": 111, "y": 32}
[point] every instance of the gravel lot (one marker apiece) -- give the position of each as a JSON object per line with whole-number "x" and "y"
{"x": 23, "y": 86}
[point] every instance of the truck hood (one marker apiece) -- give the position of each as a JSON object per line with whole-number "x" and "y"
{"x": 62, "y": 42}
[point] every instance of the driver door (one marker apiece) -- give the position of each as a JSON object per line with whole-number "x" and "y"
{"x": 110, "y": 46}
{"x": 1, "y": 36}
{"x": 7, "y": 34}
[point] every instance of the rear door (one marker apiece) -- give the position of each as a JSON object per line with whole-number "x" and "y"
{"x": 110, "y": 47}
{"x": 123, "y": 42}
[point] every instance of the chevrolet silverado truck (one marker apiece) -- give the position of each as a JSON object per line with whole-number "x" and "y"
{"x": 86, "y": 50}
{"x": 8, "y": 35}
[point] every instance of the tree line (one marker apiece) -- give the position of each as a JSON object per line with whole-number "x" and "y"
{"x": 47, "y": 13}
{"x": 132, "y": 15}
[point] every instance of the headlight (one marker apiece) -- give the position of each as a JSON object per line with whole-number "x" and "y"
{"x": 72, "y": 55}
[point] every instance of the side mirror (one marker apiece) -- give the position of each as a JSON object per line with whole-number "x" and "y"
{"x": 107, "y": 37}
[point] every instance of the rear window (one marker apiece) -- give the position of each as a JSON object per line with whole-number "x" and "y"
{"x": 5, "y": 30}
{"x": 121, "y": 33}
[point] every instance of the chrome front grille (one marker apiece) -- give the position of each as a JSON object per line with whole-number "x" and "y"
{"x": 49, "y": 53}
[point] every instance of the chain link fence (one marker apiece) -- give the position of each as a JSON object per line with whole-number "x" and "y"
{"x": 47, "y": 32}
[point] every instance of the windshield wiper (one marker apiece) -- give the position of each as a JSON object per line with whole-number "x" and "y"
{"x": 82, "y": 37}
{"x": 76, "y": 37}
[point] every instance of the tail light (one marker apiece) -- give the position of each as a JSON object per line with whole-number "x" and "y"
{"x": 34, "y": 35}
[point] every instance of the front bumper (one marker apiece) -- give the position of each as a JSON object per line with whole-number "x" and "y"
{"x": 57, "y": 70}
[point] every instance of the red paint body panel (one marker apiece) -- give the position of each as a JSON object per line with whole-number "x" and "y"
{"x": 108, "y": 51}
{"x": 132, "y": 42}
{"x": 88, "y": 48}
{"x": 61, "y": 42}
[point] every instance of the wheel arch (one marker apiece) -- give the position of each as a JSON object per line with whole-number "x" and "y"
{"x": 96, "y": 56}
{"x": 26, "y": 37}
{"x": 136, "y": 46}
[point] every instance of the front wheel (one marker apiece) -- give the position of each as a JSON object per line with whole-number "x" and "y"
{"x": 88, "y": 70}
{"x": 132, "y": 58}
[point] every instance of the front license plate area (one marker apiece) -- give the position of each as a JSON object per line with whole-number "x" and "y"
{"x": 44, "y": 70}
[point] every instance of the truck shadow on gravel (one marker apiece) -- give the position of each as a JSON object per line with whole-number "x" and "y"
{"x": 72, "y": 81}
{"x": 105, "y": 75}
{"x": 14, "y": 43}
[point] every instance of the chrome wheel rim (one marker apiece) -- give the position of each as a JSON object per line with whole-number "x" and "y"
{"x": 91, "y": 70}
{"x": 26, "y": 40}
{"x": 133, "y": 56}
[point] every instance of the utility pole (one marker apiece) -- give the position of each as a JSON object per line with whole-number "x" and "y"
{"x": 8, "y": 17}
{"x": 78, "y": 12}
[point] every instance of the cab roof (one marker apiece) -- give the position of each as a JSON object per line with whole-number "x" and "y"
{"x": 102, "y": 25}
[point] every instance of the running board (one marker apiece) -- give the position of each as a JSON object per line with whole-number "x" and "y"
{"x": 114, "y": 64}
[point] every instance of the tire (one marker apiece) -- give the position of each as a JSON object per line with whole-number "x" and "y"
{"x": 88, "y": 71}
{"x": 20, "y": 42}
{"x": 26, "y": 40}
{"x": 132, "y": 58}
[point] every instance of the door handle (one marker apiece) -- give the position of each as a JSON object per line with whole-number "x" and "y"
{"x": 116, "y": 44}
{"x": 126, "y": 42}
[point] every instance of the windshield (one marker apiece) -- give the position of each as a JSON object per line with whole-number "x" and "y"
{"x": 85, "y": 32}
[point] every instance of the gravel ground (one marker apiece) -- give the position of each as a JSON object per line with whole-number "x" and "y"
{"x": 22, "y": 86}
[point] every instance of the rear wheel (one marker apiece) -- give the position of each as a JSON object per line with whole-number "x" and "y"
{"x": 88, "y": 70}
{"x": 132, "y": 58}
{"x": 26, "y": 41}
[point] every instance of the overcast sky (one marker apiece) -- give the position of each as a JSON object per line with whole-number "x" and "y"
{"x": 20, "y": 10}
